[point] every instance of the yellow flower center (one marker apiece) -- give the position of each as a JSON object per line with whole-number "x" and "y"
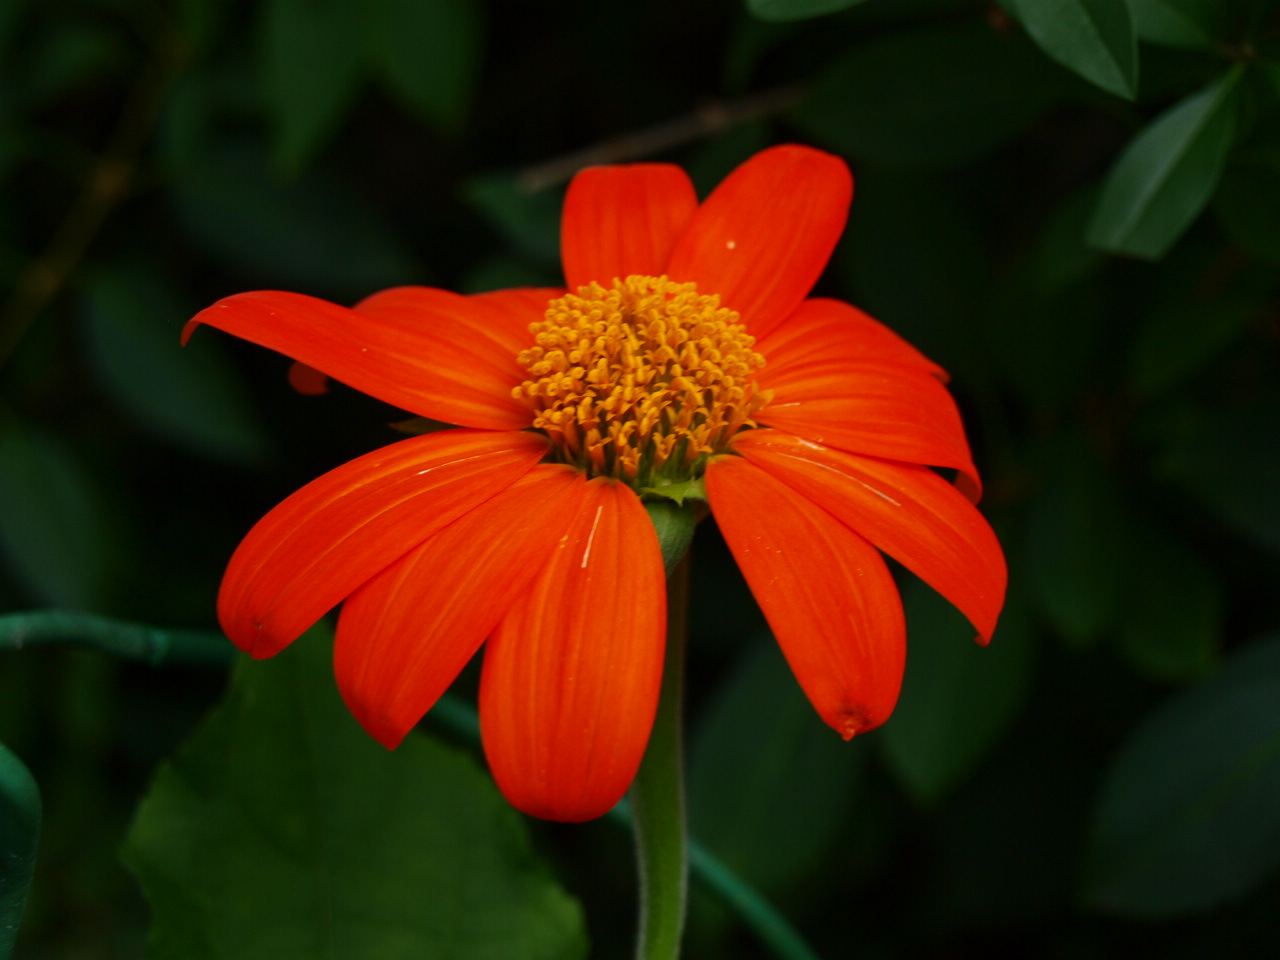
{"x": 642, "y": 381}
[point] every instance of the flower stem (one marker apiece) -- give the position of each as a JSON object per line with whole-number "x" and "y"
{"x": 657, "y": 797}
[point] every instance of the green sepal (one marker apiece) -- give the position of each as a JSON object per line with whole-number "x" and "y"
{"x": 674, "y": 524}
{"x": 695, "y": 489}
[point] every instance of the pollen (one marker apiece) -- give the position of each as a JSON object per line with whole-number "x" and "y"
{"x": 643, "y": 381}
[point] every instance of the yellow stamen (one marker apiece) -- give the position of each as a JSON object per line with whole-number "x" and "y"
{"x": 643, "y": 380}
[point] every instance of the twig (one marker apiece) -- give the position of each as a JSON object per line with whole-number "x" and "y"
{"x": 105, "y": 185}
{"x": 137, "y": 641}
{"x": 712, "y": 118}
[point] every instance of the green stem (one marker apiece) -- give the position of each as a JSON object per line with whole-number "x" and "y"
{"x": 19, "y": 837}
{"x": 657, "y": 797}
{"x": 137, "y": 641}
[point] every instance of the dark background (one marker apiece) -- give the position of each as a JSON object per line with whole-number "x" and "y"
{"x": 1103, "y": 781}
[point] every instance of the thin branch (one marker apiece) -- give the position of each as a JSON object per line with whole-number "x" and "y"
{"x": 137, "y": 641}
{"x": 715, "y": 117}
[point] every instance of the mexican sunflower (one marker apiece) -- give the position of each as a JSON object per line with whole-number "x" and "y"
{"x": 683, "y": 348}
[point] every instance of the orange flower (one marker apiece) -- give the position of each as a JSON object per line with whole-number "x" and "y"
{"x": 686, "y": 349}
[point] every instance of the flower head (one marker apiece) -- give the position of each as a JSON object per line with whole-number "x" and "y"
{"x": 683, "y": 348}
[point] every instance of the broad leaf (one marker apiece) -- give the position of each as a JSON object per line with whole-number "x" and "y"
{"x": 1230, "y": 460}
{"x": 281, "y": 830}
{"x": 52, "y": 532}
{"x": 428, "y": 52}
{"x": 915, "y": 257}
{"x": 313, "y": 233}
{"x": 931, "y": 97}
{"x": 1190, "y": 24}
{"x": 797, "y": 9}
{"x": 1095, "y": 38}
{"x": 957, "y": 698}
{"x": 1172, "y": 628}
{"x": 187, "y": 396}
{"x": 1182, "y": 337}
{"x": 310, "y": 72}
{"x": 1167, "y": 174}
{"x": 530, "y": 222}
{"x": 1077, "y": 546}
{"x": 1248, "y": 206}
{"x": 762, "y": 765}
{"x": 1189, "y": 816}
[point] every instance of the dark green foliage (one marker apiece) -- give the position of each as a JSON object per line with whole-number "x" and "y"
{"x": 314, "y": 841}
{"x": 761, "y": 764}
{"x": 958, "y": 699}
{"x": 1190, "y": 813}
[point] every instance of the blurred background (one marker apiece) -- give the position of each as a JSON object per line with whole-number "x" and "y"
{"x": 1073, "y": 206}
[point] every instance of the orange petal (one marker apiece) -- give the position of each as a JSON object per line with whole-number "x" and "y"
{"x": 429, "y": 355}
{"x": 405, "y": 634}
{"x": 518, "y": 307}
{"x": 823, "y": 329}
{"x": 825, "y": 591}
{"x": 623, "y": 220}
{"x": 881, "y": 410}
{"x": 907, "y": 511}
{"x": 765, "y": 234}
{"x": 335, "y": 533}
{"x": 571, "y": 675}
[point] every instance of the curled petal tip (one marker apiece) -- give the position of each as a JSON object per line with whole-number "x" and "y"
{"x": 188, "y": 329}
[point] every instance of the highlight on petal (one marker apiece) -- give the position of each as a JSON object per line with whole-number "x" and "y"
{"x": 623, "y": 220}
{"x": 317, "y": 546}
{"x": 877, "y": 409}
{"x": 427, "y": 352}
{"x": 908, "y": 511}
{"x": 571, "y": 675}
{"x": 405, "y": 634}
{"x": 825, "y": 591}
{"x": 824, "y": 329}
{"x": 764, "y": 236}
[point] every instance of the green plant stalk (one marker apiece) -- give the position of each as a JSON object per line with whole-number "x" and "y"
{"x": 19, "y": 838}
{"x": 657, "y": 797}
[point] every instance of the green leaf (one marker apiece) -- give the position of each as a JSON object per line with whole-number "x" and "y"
{"x": 916, "y": 259}
{"x": 20, "y": 816}
{"x": 1230, "y": 461}
{"x": 958, "y": 698}
{"x": 63, "y": 60}
{"x": 428, "y": 52}
{"x": 1182, "y": 336}
{"x": 1189, "y": 816}
{"x": 1167, "y": 174}
{"x": 310, "y": 72}
{"x": 52, "y": 532}
{"x": 1172, "y": 628}
{"x": 282, "y": 830}
{"x": 763, "y": 765}
{"x": 1188, "y": 24}
{"x": 1077, "y": 546}
{"x": 530, "y": 222}
{"x": 797, "y": 9}
{"x": 1248, "y": 207}
{"x": 1095, "y": 38}
{"x": 188, "y": 396}
{"x": 931, "y": 97}
{"x": 314, "y": 233}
